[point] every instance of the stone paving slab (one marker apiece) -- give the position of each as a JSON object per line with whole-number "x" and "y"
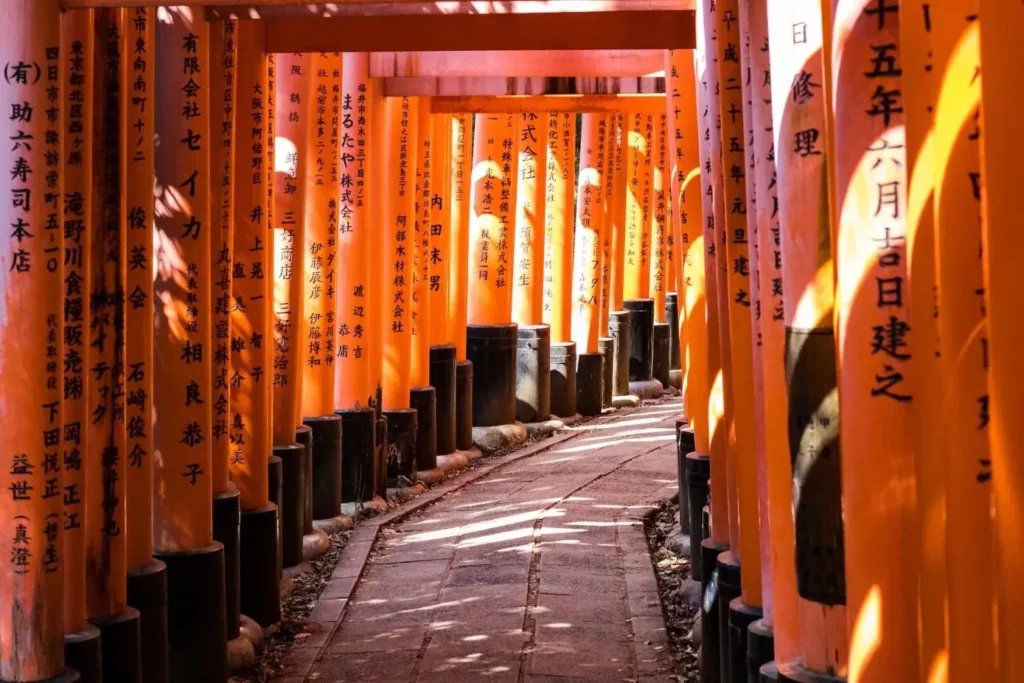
{"x": 533, "y": 567}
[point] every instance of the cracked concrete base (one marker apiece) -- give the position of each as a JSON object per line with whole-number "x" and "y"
{"x": 242, "y": 650}
{"x": 314, "y": 545}
{"x": 647, "y": 389}
{"x": 490, "y": 439}
{"x": 675, "y": 378}
{"x": 625, "y": 401}
{"x": 333, "y": 525}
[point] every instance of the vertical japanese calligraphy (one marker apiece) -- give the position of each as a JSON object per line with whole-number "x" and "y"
{"x": 528, "y": 271}
{"x": 458, "y": 270}
{"x": 635, "y": 284}
{"x": 658, "y": 282}
{"x": 587, "y": 248}
{"x": 420, "y": 250}
{"x": 439, "y": 253}
{"x": 558, "y": 205}
{"x": 619, "y": 181}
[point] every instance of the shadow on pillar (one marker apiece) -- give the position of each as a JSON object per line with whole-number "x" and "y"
{"x": 641, "y": 339}
{"x": 662, "y": 353}
{"x": 358, "y": 452}
{"x": 401, "y": 447}
{"x": 260, "y": 555}
{"x": 380, "y": 459}
{"x": 326, "y": 465}
{"x": 226, "y": 521}
{"x": 121, "y": 647}
{"x": 147, "y": 592}
{"x": 741, "y": 616}
{"x": 618, "y": 329}
{"x": 672, "y": 318}
{"x": 563, "y": 379}
{"x": 729, "y": 589}
{"x": 606, "y": 345}
{"x": 760, "y": 648}
{"x": 492, "y": 350}
{"x": 424, "y": 401}
{"x": 291, "y": 501}
{"x": 533, "y": 373}
{"x": 196, "y": 624}
{"x": 589, "y": 383}
{"x": 464, "y": 405}
{"x": 685, "y": 444}
{"x": 710, "y": 652}
{"x": 442, "y": 378}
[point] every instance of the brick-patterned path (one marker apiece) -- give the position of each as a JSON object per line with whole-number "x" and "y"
{"x": 535, "y": 571}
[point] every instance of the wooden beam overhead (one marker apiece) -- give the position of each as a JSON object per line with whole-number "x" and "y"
{"x": 627, "y": 30}
{"x": 518, "y": 64}
{"x": 516, "y": 104}
{"x": 264, "y": 8}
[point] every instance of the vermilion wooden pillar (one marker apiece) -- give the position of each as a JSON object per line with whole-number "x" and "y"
{"x": 611, "y": 144}
{"x": 557, "y": 222}
{"x": 183, "y": 523}
{"x": 31, "y": 638}
{"x": 963, "y": 339}
{"x": 660, "y": 220}
{"x": 871, "y": 293}
{"x": 460, "y": 185}
{"x": 918, "y": 94}
{"x": 1000, "y": 34}
{"x": 439, "y": 255}
{"x": 419, "y": 249}
{"x": 528, "y": 268}
{"x": 620, "y": 179}
{"x": 636, "y": 278}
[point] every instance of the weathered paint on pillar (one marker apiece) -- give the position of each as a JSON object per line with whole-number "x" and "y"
{"x": 620, "y": 180}
{"x": 183, "y": 509}
{"x": 440, "y": 224}
{"x": 31, "y": 629}
{"x": 706, "y": 73}
{"x": 528, "y": 271}
{"x": 1003, "y": 243}
{"x": 661, "y": 228}
{"x": 799, "y": 104}
{"x": 610, "y": 140}
{"x": 291, "y": 130}
{"x": 963, "y": 336}
{"x": 688, "y": 254}
{"x": 77, "y": 50}
{"x": 356, "y": 335}
{"x": 776, "y": 476}
{"x": 558, "y": 226}
{"x": 872, "y": 294}
{"x": 251, "y": 371}
{"x": 419, "y": 250}
{"x": 636, "y": 270}
{"x": 377, "y": 272}
{"x": 399, "y": 224}
{"x": 223, "y": 98}
{"x": 317, "y": 354}
{"x": 742, "y": 454}
{"x": 458, "y": 265}
{"x": 918, "y": 64}
{"x": 587, "y": 247}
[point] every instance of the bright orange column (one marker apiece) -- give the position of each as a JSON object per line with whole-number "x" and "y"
{"x": 77, "y": 46}
{"x": 291, "y": 129}
{"x": 222, "y": 201}
{"x": 353, "y": 387}
{"x": 587, "y": 247}
{"x": 659, "y": 281}
{"x": 458, "y": 269}
{"x": 183, "y": 512}
{"x": 528, "y": 270}
{"x": 251, "y": 373}
{"x": 1003, "y": 243}
{"x": 918, "y": 63}
{"x": 872, "y": 295}
{"x": 419, "y": 250}
{"x": 399, "y": 224}
{"x": 964, "y": 338}
{"x": 317, "y": 352}
{"x": 799, "y": 103}
{"x": 619, "y": 181}
{"x": 742, "y": 454}
{"x": 558, "y": 226}
{"x": 611, "y": 144}
{"x": 439, "y": 253}
{"x": 31, "y": 635}
{"x": 635, "y": 283}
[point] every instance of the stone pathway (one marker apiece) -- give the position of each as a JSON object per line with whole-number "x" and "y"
{"x": 536, "y": 570}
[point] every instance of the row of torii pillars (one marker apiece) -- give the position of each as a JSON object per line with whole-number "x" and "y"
{"x": 831, "y": 146}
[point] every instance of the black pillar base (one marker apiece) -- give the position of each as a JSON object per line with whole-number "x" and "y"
{"x": 326, "y": 465}
{"x": 380, "y": 458}
{"x": 589, "y": 383}
{"x": 760, "y": 648}
{"x": 710, "y": 650}
{"x": 563, "y": 379}
{"x": 533, "y": 374}
{"x": 741, "y": 616}
{"x": 698, "y": 474}
{"x": 492, "y": 349}
{"x": 672, "y": 318}
{"x": 121, "y": 645}
{"x": 464, "y": 405}
{"x": 196, "y": 628}
{"x": 401, "y": 450}
{"x": 226, "y": 521}
{"x": 684, "y": 446}
{"x": 424, "y": 401}
{"x": 261, "y": 556}
{"x": 304, "y": 437}
{"x": 275, "y": 480}
{"x": 606, "y": 345}
{"x": 358, "y": 450}
{"x": 618, "y": 329}
{"x": 291, "y": 505}
{"x": 442, "y": 378}
{"x": 794, "y": 672}
{"x": 82, "y": 652}
{"x": 729, "y": 589}
{"x": 641, "y": 339}
{"x": 147, "y": 592}
{"x": 660, "y": 362}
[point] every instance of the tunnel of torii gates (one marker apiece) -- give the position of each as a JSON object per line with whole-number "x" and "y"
{"x": 266, "y": 261}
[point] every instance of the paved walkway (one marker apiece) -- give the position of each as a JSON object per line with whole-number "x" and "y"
{"x": 535, "y": 570}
